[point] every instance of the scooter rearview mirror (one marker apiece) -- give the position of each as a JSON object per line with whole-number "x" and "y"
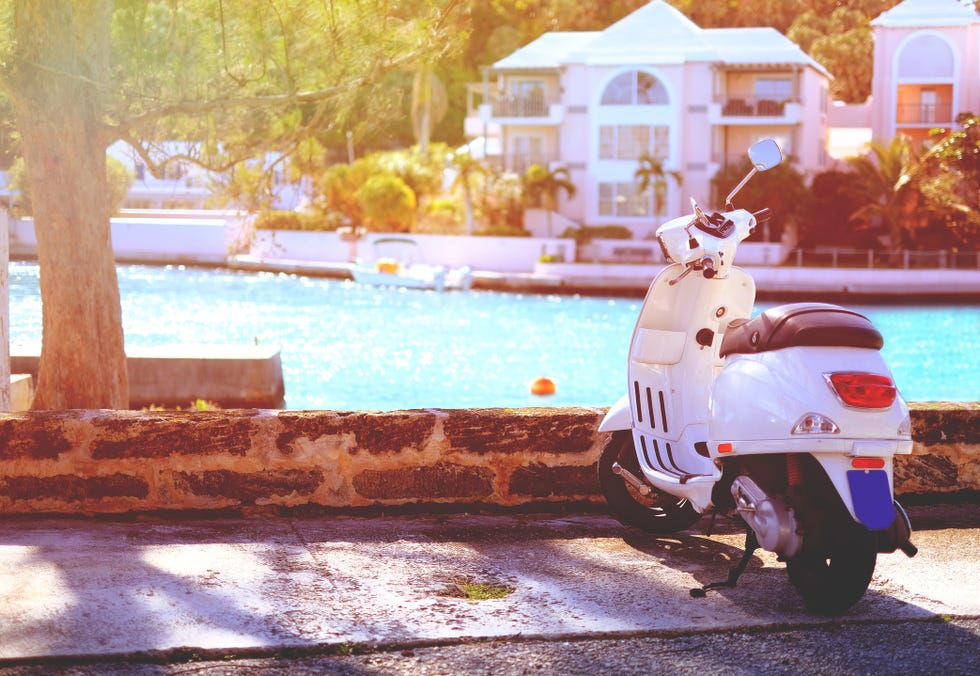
{"x": 765, "y": 154}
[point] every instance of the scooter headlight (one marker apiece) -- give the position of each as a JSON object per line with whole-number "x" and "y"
{"x": 663, "y": 249}
{"x": 815, "y": 423}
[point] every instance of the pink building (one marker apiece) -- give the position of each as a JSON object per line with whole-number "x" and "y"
{"x": 926, "y": 67}
{"x": 653, "y": 83}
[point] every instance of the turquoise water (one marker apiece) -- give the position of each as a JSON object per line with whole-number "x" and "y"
{"x": 354, "y": 347}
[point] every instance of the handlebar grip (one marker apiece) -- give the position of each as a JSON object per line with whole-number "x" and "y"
{"x": 763, "y": 215}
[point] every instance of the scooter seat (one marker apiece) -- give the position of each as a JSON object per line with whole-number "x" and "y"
{"x": 801, "y": 325}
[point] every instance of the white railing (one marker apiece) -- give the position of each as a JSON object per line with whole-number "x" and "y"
{"x": 905, "y": 259}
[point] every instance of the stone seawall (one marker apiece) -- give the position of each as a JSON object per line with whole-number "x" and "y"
{"x": 113, "y": 462}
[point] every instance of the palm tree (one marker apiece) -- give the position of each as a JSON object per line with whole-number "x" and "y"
{"x": 541, "y": 188}
{"x": 467, "y": 167}
{"x": 884, "y": 181}
{"x": 651, "y": 174}
{"x": 429, "y": 104}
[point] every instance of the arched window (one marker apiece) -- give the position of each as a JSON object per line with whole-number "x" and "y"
{"x": 925, "y": 56}
{"x": 634, "y": 88}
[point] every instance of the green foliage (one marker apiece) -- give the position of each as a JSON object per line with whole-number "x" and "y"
{"x": 824, "y": 216}
{"x": 292, "y": 220}
{"x": 440, "y": 216}
{"x": 781, "y": 189}
{"x": 246, "y": 78}
{"x": 339, "y": 186}
{"x": 950, "y": 174}
{"x": 586, "y": 233}
{"x": 421, "y": 171}
{"x": 651, "y": 175}
{"x": 542, "y": 186}
{"x": 900, "y": 195}
{"x": 119, "y": 178}
{"x": 502, "y": 230}
{"x": 387, "y": 204}
{"x": 842, "y": 42}
{"x": 881, "y": 185}
{"x": 501, "y": 202}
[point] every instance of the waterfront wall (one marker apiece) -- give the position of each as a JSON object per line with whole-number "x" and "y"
{"x": 196, "y": 238}
{"x": 175, "y": 376}
{"x": 216, "y": 237}
{"x": 114, "y": 462}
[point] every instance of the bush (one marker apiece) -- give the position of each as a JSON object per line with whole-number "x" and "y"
{"x": 387, "y": 203}
{"x": 586, "y": 233}
{"x": 502, "y": 230}
{"x": 440, "y": 217}
{"x": 293, "y": 220}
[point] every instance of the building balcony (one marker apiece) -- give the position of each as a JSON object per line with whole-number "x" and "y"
{"x": 720, "y": 160}
{"x": 522, "y": 110}
{"x": 929, "y": 114}
{"x": 519, "y": 163}
{"x": 754, "y": 111}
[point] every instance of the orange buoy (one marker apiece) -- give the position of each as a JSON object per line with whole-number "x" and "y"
{"x": 542, "y": 386}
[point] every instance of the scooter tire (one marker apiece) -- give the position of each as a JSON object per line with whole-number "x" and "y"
{"x": 658, "y": 512}
{"x": 830, "y": 583}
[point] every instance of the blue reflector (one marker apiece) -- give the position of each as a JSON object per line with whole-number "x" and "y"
{"x": 872, "y": 498}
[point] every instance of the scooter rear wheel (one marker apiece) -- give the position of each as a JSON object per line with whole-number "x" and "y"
{"x": 657, "y": 512}
{"x": 832, "y": 582}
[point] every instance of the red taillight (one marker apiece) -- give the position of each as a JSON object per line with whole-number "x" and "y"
{"x": 864, "y": 390}
{"x": 868, "y": 463}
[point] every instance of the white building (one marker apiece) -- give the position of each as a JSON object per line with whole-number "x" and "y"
{"x": 186, "y": 185}
{"x": 653, "y": 83}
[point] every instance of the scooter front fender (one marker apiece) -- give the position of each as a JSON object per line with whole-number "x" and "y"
{"x": 618, "y": 417}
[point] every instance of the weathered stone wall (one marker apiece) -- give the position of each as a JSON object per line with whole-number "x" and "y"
{"x": 126, "y": 461}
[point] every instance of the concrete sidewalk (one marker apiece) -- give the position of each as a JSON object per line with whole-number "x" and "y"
{"x": 72, "y": 589}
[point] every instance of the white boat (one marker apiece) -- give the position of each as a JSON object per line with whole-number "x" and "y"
{"x": 400, "y": 266}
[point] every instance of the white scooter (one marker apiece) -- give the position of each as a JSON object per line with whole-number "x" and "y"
{"x": 789, "y": 420}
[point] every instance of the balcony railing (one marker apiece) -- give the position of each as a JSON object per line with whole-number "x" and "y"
{"x": 876, "y": 258}
{"x": 519, "y": 163}
{"x": 521, "y": 106}
{"x": 925, "y": 113}
{"x": 742, "y": 107}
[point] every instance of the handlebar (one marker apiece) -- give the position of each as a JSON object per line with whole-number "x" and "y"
{"x": 762, "y": 215}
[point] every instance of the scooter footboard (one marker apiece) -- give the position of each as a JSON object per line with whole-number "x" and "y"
{"x": 866, "y": 491}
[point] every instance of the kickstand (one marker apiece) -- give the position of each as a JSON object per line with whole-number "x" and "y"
{"x": 711, "y": 524}
{"x": 751, "y": 544}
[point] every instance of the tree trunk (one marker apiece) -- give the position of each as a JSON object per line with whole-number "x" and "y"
{"x": 62, "y": 62}
{"x": 5, "y": 404}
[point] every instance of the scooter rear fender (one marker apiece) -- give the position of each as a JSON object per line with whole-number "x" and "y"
{"x": 618, "y": 417}
{"x": 867, "y": 493}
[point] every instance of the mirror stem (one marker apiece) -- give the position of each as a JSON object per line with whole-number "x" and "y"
{"x": 728, "y": 200}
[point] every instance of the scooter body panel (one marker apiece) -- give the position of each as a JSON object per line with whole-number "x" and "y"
{"x": 758, "y": 400}
{"x": 674, "y": 357}
{"x": 618, "y": 417}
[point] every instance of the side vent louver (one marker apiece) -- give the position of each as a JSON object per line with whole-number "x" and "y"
{"x": 647, "y": 406}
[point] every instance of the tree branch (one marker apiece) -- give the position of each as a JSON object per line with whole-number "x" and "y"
{"x": 125, "y": 127}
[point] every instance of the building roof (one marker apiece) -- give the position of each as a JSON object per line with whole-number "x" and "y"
{"x": 548, "y": 51}
{"x": 658, "y": 33}
{"x": 927, "y": 13}
{"x": 654, "y": 33}
{"x": 744, "y": 46}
